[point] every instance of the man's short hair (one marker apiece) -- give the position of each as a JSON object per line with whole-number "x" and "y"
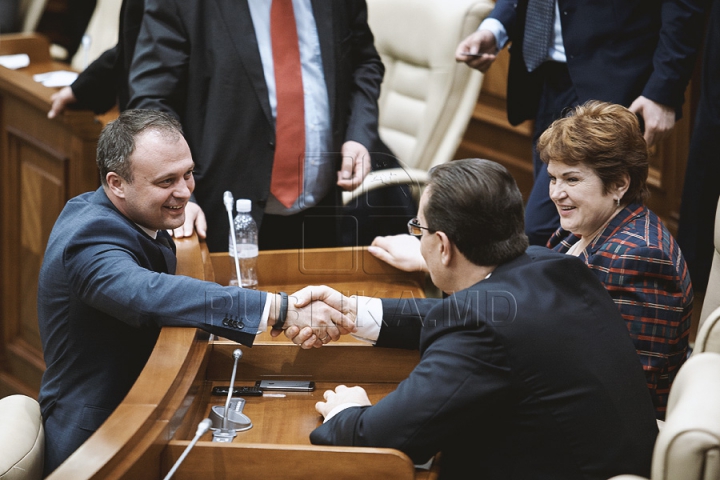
{"x": 478, "y": 205}
{"x": 117, "y": 140}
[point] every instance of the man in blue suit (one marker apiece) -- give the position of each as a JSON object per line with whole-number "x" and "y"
{"x": 107, "y": 283}
{"x": 636, "y": 53}
{"x": 527, "y": 356}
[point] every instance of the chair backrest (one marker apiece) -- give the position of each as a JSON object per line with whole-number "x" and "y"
{"x": 102, "y": 33}
{"x": 712, "y": 294}
{"x": 708, "y": 336}
{"x": 22, "y": 439}
{"x": 30, "y": 12}
{"x": 427, "y": 98}
{"x": 688, "y": 446}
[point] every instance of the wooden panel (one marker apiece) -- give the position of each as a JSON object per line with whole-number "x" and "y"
{"x": 43, "y": 163}
{"x": 232, "y": 462}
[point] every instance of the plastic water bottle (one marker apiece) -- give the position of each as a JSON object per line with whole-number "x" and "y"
{"x": 246, "y": 238}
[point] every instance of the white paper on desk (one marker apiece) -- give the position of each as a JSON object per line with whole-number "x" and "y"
{"x": 59, "y": 78}
{"x": 13, "y": 62}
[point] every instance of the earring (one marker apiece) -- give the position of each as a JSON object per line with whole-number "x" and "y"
{"x": 617, "y": 200}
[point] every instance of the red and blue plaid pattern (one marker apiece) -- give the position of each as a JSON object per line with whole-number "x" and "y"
{"x": 641, "y": 265}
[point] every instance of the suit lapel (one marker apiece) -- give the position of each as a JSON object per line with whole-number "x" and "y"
{"x": 324, "y": 12}
{"x": 240, "y": 26}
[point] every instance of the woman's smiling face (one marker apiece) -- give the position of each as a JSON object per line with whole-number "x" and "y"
{"x": 580, "y": 197}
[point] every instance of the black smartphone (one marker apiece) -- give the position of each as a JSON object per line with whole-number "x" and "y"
{"x": 253, "y": 391}
{"x": 286, "y": 385}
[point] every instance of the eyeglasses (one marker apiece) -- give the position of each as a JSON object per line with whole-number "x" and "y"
{"x": 415, "y": 229}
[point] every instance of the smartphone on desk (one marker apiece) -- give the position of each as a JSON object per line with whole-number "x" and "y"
{"x": 286, "y": 385}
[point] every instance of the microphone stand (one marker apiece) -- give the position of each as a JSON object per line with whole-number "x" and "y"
{"x": 226, "y": 434}
{"x": 228, "y": 201}
{"x": 202, "y": 428}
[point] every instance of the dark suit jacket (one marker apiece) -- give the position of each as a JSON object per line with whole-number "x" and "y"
{"x": 105, "y": 81}
{"x": 616, "y": 50}
{"x": 528, "y": 374}
{"x": 199, "y": 60}
{"x": 104, "y": 291}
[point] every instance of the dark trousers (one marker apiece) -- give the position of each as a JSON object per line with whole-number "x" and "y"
{"x": 541, "y": 216}
{"x": 315, "y": 227}
{"x": 702, "y": 175}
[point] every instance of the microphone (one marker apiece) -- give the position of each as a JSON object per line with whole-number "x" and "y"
{"x": 202, "y": 429}
{"x": 228, "y": 201}
{"x": 226, "y": 434}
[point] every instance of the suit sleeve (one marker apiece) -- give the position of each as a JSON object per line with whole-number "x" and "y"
{"x": 96, "y": 88}
{"x": 367, "y": 76}
{"x": 160, "y": 63}
{"x": 681, "y": 32}
{"x": 107, "y": 276}
{"x": 462, "y": 377}
{"x": 505, "y": 11}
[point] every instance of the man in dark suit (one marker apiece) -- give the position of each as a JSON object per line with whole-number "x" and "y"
{"x": 104, "y": 83}
{"x": 527, "y": 356}
{"x": 106, "y": 285}
{"x": 637, "y": 53}
{"x": 212, "y": 65}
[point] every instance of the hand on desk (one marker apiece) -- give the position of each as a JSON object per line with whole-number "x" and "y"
{"x": 353, "y": 396}
{"x": 60, "y": 100}
{"x": 401, "y": 251}
{"x": 317, "y": 315}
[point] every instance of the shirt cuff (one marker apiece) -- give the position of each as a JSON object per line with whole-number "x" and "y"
{"x": 497, "y": 29}
{"x": 369, "y": 319}
{"x": 339, "y": 409}
{"x": 262, "y": 326}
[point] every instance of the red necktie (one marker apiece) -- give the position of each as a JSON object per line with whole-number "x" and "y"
{"x": 288, "y": 165}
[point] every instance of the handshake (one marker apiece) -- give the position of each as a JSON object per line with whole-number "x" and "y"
{"x": 316, "y": 315}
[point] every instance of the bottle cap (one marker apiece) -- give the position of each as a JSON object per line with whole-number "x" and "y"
{"x": 243, "y": 205}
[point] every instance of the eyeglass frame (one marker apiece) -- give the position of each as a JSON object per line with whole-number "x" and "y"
{"x": 413, "y": 224}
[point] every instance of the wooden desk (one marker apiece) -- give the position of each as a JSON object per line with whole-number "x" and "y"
{"x": 158, "y": 418}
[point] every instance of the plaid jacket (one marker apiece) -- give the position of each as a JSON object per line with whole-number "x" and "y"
{"x": 641, "y": 265}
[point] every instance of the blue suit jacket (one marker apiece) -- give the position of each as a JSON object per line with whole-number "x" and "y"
{"x": 105, "y": 289}
{"x": 616, "y": 50}
{"x": 533, "y": 365}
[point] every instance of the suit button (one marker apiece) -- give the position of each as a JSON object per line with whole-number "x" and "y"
{"x": 240, "y": 325}
{"x": 271, "y": 144}
{"x": 226, "y": 322}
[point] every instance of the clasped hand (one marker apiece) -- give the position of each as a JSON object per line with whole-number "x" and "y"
{"x": 318, "y": 314}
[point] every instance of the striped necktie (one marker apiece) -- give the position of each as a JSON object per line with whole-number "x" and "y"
{"x": 538, "y": 32}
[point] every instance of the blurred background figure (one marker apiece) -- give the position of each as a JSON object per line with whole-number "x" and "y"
{"x": 702, "y": 175}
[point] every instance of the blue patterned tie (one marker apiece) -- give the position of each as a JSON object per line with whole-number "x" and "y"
{"x": 538, "y": 32}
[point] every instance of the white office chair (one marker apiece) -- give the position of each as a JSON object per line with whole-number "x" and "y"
{"x": 102, "y": 33}
{"x": 427, "y": 98}
{"x": 22, "y": 439}
{"x": 712, "y": 294}
{"x": 688, "y": 446}
{"x": 30, "y": 12}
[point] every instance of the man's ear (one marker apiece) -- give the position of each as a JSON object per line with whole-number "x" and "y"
{"x": 116, "y": 184}
{"x": 446, "y": 248}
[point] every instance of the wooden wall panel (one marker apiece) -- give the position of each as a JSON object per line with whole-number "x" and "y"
{"x": 43, "y": 163}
